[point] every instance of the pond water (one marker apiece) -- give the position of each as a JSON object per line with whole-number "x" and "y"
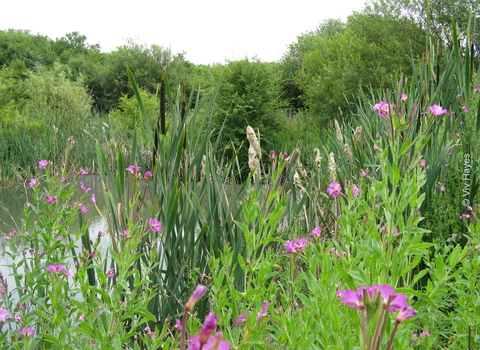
{"x": 12, "y": 204}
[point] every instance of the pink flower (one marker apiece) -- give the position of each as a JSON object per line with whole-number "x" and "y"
{"x": 437, "y": 110}
{"x": 101, "y": 233}
{"x": 213, "y": 343}
{"x": 111, "y": 273}
{"x": 148, "y": 174}
{"x": 82, "y": 317}
{"x": 208, "y": 327}
{"x": 93, "y": 199}
{"x": 51, "y": 199}
{"x": 42, "y": 164}
{"x": 82, "y": 186}
{"x": 178, "y": 324}
{"x": 263, "y": 313}
{"x": 63, "y": 180}
{"x": 33, "y": 182}
{"x": 442, "y": 188}
{"x": 296, "y": 247}
{"x": 27, "y": 332}
{"x": 404, "y": 97}
{"x": 316, "y": 232}
{"x": 133, "y": 169}
{"x": 83, "y": 172}
{"x": 363, "y": 173}
{"x": 56, "y": 269}
{"x": 405, "y": 314}
{"x": 356, "y": 190}
{"x": 383, "y": 109}
{"x": 4, "y": 314}
{"x": 242, "y": 319}
{"x": 155, "y": 225}
{"x": 196, "y": 295}
{"x": 83, "y": 209}
{"x": 354, "y": 298}
{"x": 334, "y": 189}
{"x": 465, "y": 109}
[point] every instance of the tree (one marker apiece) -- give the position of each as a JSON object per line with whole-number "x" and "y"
{"x": 248, "y": 96}
{"x": 433, "y": 16}
{"x": 146, "y": 63}
{"x": 22, "y": 45}
{"x": 368, "y": 53}
{"x": 292, "y": 61}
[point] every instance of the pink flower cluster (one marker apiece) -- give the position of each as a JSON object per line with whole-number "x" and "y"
{"x": 335, "y": 189}
{"x": 390, "y": 300}
{"x": 57, "y": 269}
{"x": 297, "y": 246}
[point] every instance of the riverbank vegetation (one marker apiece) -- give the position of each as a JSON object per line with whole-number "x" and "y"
{"x": 349, "y": 223}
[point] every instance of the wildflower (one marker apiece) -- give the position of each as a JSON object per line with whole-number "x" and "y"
{"x": 458, "y": 96}
{"x": 101, "y": 233}
{"x": 133, "y": 169}
{"x": 82, "y": 186}
{"x": 3, "y": 290}
{"x": 27, "y": 332}
{"x": 83, "y": 172}
{"x": 356, "y": 190}
{"x": 71, "y": 140}
{"x": 148, "y": 174}
{"x": 301, "y": 244}
{"x": 298, "y": 246}
{"x": 42, "y": 164}
{"x": 289, "y": 245}
{"x": 354, "y": 298}
{"x": 363, "y": 173}
{"x": 56, "y": 269}
{"x": 208, "y": 328}
{"x": 178, "y": 324}
{"x": 404, "y": 97}
{"x": 316, "y": 232}
{"x": 405, "y": 313}
{"x": 4, "y": 314}
{"x": 465, "y": 109}
{"x": 272, "y": 154}
{"x": 383, "y": 109}
{"x": 242, "y": 319}
{"x": 83, "y": 209}
{"x": 51, "y": 199}
{"x": 437, "y": 110}
{"x": 263, "y": 313}
{"x": 63, "y": 180}
{"x": 213, "y": 343}
{"x": 82, "y": 317}
{"x": 17, "y": 317}
{"x": 93, "y": 199}
{"x": 334, "y": 189}
{"x": 111, "y": 273}
{"x": 196, "y": 295}
{"x": 477, "y": 89}
{"x": 424, "y": 334}
{"x": 397, "y": 300}
{"x": 469, "y": 208}
{"x": 155, "y": 225}
{"x": 33, "y": 182}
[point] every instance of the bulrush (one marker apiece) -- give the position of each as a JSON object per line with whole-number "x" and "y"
{"x": 254, "y": 151}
